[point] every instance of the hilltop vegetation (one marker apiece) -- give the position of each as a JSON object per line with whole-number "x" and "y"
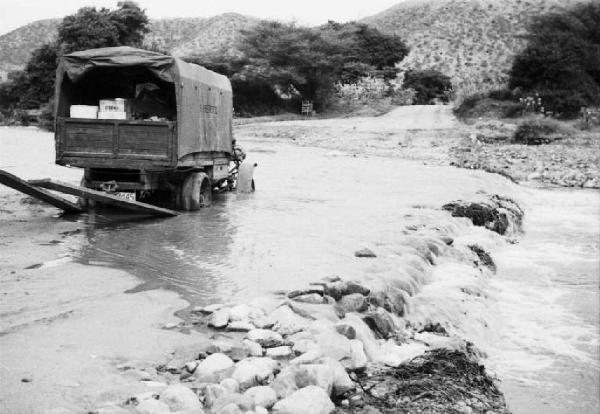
{"x": 472, "y": 41}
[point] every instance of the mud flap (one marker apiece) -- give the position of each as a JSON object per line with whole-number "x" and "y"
{"x": 245, "y": 179}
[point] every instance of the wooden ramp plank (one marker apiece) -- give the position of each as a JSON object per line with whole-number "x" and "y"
{"x": 103, "y": 197}
{"x": 23, "y": 186}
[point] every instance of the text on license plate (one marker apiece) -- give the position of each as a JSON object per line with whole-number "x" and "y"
{"x": 126, "y": 196}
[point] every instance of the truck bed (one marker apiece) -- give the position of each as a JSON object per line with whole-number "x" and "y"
{"x": 109, "y": 143}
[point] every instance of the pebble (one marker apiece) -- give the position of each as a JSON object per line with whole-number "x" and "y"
{"x": 365, "y": 253}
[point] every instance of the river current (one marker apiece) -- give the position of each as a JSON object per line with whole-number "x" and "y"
{"x": 536, "y": 319}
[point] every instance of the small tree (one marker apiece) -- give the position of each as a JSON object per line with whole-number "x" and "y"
{"x": 430, "y": 85}
{"x": 562, "y": 59}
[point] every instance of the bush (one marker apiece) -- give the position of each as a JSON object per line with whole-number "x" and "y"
{"x": 539, "y": 130}
{"x": 431, "y": 85}
{"x": 501, "y": 94}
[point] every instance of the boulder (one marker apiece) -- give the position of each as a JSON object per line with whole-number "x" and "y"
{"x": 358, "y": 359}
{"x": 336, "y": 345}
{"x": 230, "y": 385}
{"x": 294, "y": 377}
{"x": 338, "y": 289}
{"x": 279, "y": 352}
{"x": 364, "y": 335}
{"x": 262, "y": 396}
{"x": 214, "y": 368}
{"x": 219, "y": 319}
{"x": 253, "y": 348}
{"x": 286, "y": 321}
{"x": 308, "y": 400}
{"x": 240, "y": 326}
{"x": 314, "y": 298}
{"x": 253, "y": 371}
{"x": 309, "y": 357}
{"x": 354, "y": 302}
{"x": 239, "y": 313}
{"x": 302, "y": 346}
{"x": 179, "y": 397}
{"x": 347, "y": 330}
{"x": 152, "y": 406}
{"x": 212, "y": 392}
{"x": 341, "y": 381}
{"x": 318, "y": 289}
{"x": 265, "y": 338}
{"x": 381, "y": 323}
{"x": 365, "y": 253}
{"x": 242, "y": 402}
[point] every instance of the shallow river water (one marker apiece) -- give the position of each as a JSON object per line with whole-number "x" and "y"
{"x": 537, "y": 319}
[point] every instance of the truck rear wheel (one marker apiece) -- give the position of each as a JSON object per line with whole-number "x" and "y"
{"x": 195, "y": 192}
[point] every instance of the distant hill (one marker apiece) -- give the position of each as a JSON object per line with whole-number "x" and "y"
{"x": 472, "y": 41}
{"x": 179, "y": 36}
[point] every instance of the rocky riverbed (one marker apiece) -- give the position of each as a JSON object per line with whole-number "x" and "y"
{"x": 336, "y": 345}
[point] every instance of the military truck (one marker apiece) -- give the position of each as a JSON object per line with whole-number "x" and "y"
{"x": 147, "y": 126}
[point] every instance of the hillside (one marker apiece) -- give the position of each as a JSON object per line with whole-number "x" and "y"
{"x": 179, "y": 36}
{"x": 472, "y": 41}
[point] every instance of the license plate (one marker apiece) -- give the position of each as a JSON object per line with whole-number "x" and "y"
{"x": 126, "y": 196}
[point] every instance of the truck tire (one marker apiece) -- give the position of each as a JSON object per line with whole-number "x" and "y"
{"x": 83, "y": 202}
{"x": 195, "y": 192}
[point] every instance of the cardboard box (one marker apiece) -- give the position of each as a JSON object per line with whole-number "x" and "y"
{"x": 83, "y": 111}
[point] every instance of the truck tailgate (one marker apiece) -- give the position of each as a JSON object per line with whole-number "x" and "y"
{"x": 115, "y": 143}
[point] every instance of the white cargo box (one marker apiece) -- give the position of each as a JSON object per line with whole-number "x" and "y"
{"x": 83, "y": 111}
{"x": 112, "y": 105}
{"x": 112, "y": 115}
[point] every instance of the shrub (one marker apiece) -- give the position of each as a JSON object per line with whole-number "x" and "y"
{"x": 431, "y": 85}
{"x": 501, "y": 94}
{"x": 539, "y": 130}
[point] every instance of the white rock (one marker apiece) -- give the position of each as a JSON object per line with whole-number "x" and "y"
{"x": 214, "y": 368}
{"x": 252, "y": 371}
{"x": 302, "y": 346}
{"x": 286, "y": 321}
{"x": 243, "y": 402}
{"x": 336, "y": 345}
{"x": 138, "y": 398}
{"x": 308, "y": 400}
{"x": 240, "y": 326}
{"x": 112, "y": 409}
{"x": 313, "y": 298}
{"x": 239, "y": 313}
{"x": 393, "y": 355}
{"x": 219, "y": 319}
{"x": 308, "y": 357}
{"x": 341, "y": 381}
{"x": 265, "y": 337}
{"x": 179, "y": 397}
{"x": 230, "y": 385}
{"x": 260, "y": 410}
{"x": 152, "y": 406}
{"x": 364, "y": 335}
{"x": 357, "y": 356}
{"x": 212, "y": 392}
{"x": 354, "y": 302}
{"x": 279, "y": 352}
{"x": 294, "y": 377}
{"x": 254, "y": 349}
{"x": 262, "y": 396}
{"x": 191, "y": 366}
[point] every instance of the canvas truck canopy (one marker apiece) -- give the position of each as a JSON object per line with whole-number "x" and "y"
{"x": 200, "y": 100}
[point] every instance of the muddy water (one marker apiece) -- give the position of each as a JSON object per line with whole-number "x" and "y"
{"x": 536, "y": 318}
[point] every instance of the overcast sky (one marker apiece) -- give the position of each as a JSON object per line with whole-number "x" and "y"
{"x": 15, "y": 13}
